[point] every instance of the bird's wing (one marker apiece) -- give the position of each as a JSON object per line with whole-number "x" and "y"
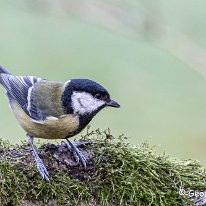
{"x": 20, "y": 88}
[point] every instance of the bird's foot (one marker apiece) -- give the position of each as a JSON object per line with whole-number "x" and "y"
{"x": 42, "y": 169}
{"x": 76, "y": 152}
{"x": 39, "y": 163}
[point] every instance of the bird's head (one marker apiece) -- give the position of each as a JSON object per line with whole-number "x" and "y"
{"x": 86, "y": 97}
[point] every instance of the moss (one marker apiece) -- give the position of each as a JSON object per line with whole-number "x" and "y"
{"x": 123, "y": 175}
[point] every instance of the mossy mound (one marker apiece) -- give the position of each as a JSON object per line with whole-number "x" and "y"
{"x": 117, "y": 174}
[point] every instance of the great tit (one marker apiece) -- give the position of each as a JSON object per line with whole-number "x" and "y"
{"x": 54, "y": 110}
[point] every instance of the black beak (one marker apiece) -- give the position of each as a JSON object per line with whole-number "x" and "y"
{"x": 112, "y": 103}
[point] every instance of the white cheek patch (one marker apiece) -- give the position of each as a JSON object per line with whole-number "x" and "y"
{"x": 84, "y": 103}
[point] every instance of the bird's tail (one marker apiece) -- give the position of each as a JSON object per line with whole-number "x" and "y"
{"x": 3, "y": 71}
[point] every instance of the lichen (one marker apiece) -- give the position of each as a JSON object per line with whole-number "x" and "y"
{"x": 123, "y": 175}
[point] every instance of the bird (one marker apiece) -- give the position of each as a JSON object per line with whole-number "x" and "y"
{"x": 54, "y": 110}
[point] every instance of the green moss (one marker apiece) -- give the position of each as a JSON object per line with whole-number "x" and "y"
{"x": 124, "y": 175}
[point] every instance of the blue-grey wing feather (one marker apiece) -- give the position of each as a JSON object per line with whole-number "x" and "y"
{"x": 34, "y": 112}
{"x": 20, "y": 88}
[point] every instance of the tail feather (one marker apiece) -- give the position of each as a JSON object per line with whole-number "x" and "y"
{"x": 3, "y": 71}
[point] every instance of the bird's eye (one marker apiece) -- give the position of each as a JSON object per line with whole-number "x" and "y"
{"x": 98, "y": 96}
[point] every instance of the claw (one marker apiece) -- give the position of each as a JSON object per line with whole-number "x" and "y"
{"x": 76, "y": 156}
{"x": 42, "y": 169}
{"x": 77, "y": 153}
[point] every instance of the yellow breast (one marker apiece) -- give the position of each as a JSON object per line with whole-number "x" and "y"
{"x": 51, "y": 128}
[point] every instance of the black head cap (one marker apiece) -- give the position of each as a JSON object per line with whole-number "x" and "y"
{"x": 87, "y": 85}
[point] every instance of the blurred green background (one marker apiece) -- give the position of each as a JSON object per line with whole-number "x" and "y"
{"x": 150, "y": 55}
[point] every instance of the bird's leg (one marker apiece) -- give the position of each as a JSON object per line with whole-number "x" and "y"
{"x": 76, "y": 152}
{"x": 39, "y": 163}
